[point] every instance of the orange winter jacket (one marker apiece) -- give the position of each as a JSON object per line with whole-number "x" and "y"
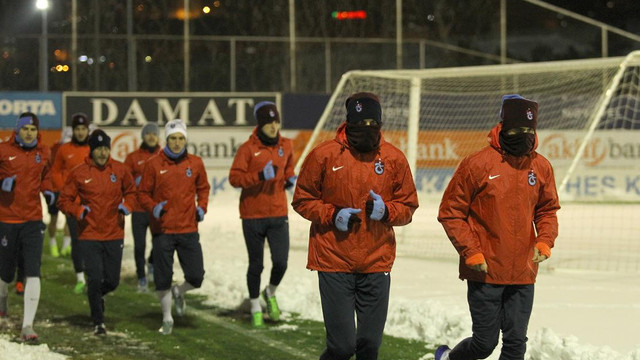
{"x": 68, "y": 156}
{"x": 182, "y": 184}
{"x": 262, "y": 199}
{"x": 135, "y": 162}
{"x": 494, "y": 205}
{"x": 335, "y": 176}
{"x": 102, "y": 189}
{"x": 31, "y": 168}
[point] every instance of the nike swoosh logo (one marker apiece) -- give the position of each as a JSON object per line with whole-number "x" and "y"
{"x": 163, "y": 171}
{"x": 337, "y": 168}
{"x": 386, "y": 273}
{"x": 86, "y": 181}
{"x": 491, "y": 177}
{"x": 140, "y": 162}
{"x": 12, "y": 157}
{"x": 70, "y": 156}
{"x": 257, "y": 153}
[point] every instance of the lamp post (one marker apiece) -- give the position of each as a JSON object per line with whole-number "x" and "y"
{"x": 43, "y": 5}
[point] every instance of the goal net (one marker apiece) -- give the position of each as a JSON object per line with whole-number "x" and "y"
{"x": 588, "y": 127}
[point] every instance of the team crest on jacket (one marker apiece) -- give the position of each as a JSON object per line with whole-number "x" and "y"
{"x": 38, "y": 158}
{"x": 113, "y": 177}
{"x": 189, "y": 172}
{"x": 281, "y": 152}
{"x": 532, "y": 178}
{"x": 378, "y": 167}
{"x": 4, "y": 241}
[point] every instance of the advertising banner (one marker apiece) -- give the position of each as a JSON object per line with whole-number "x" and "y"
{"x": 136, "y": 109}
{"x": 47, "y": 106}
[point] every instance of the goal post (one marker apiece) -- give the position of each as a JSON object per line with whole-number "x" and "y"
{"x": 588, "y": 127}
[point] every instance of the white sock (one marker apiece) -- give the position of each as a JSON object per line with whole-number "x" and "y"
{"x": 80, "y": 277}
{"x": 4, "y": 296}
{"x": 271, "y": 290}
{"x": 255, "y": 305}
{"x": 66, "y": 241}
{"x": 184, "y": 287}
{"x": 31, "y": 300}
{"x": 165, "y": 303}
{"x": 52, "y": 241}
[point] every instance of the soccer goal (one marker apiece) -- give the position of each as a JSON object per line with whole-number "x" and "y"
{"x": 588, "y": 127}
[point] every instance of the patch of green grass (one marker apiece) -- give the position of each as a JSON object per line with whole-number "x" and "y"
{"x": 205, "y": 332}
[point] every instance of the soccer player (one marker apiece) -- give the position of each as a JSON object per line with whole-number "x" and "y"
{"x": 174, "y": 189}
{"x": 70, "y": 155}
{"x": 354, "y": 189}
{"x": 101, "y": 184}
{"x": 24, "y": 173}
{"x": 499, "y": 211}
{"x": 263, "y": 168}
{"x": 140, "y": 218}
{"x": 65, "y": 137}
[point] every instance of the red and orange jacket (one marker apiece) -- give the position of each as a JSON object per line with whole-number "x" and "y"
{"x": 259, "y": 198}
{"x": 135, "y": 162}
{"x": 31, "y": 168}
{"x": 102, "y": 189}
{"x": 333, "y": 175}
{"x": 494, "y": 205}
{"x": 183, "y": 184}
{"x": 68, "y": 156}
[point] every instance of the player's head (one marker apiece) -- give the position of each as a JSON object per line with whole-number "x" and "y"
{"x": 100, "y": 147}
{"x": 268, "y": 119}
{"x": 364, "y": 120}
{"x": 80, "y": 126}
{"x": 175, "y": 133}
{"x": 519, "y": 122}
{"x": 27, "y": 127}
{"x": 149, "y": 134}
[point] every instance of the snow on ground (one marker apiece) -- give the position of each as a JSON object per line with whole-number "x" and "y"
{"x": 577, "y": 314}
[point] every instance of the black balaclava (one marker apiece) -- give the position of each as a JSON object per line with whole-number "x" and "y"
{"x": 363, "y": 106}
{"x": 518, "y": 112}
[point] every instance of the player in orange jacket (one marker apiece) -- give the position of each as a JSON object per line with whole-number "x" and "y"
{"x": 354, "y": 189}
{"x": 263, "y": 168}
{"x": 101, "y": 184}
{"x": 24, "y": 174}
{"x": 69, "y": 156}
{"x": 65, "y": 137}
{"x": 499, "y": 211}
{"x": 174, "y": 190}
{"x": 136, "y": 161}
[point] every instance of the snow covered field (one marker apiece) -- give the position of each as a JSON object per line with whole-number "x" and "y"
{"x": 578, "y": 314}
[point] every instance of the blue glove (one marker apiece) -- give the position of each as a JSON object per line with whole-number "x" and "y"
{"x": 269, "y": 171}
{"x": 376, "y": 209}
{"x": 199, "y": 214}
{"x": 83, "y": 212}
{"x": 8, "y": 184}
{"x": 158, "y": 210}
{"x": 50, "y": 197}
{"x": 345, "y": 218}
{"x": 138, "y": 178}
{"x": 291, "y": 182}
{"x": 123, "y": 209}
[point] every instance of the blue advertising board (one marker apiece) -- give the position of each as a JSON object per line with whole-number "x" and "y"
{"x": 47, "y": 106}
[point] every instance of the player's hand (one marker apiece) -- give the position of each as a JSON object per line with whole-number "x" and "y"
{"x": 537, "y": 256}
{"x": 268, "y": 172}
{"x": 159, "y": 210}
{"x": 376, "y": 209}
{"x": 123, "y": 209}
{"x": 480, "y": 267}
{"x": 199, "y": 214}
{"x": 345, "y": 218}
{"x": 83, "y": 211}
{"x": 8, "y": 184}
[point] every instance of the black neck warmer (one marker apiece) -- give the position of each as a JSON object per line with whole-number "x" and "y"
{"x": 267, "y": 141}
{"x": 364, "y": 138}
{"x": 517, "y": 145}
{"x": 148, "y": 148}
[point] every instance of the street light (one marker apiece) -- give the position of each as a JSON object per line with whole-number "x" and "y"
{"x": 43, "y": 5}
